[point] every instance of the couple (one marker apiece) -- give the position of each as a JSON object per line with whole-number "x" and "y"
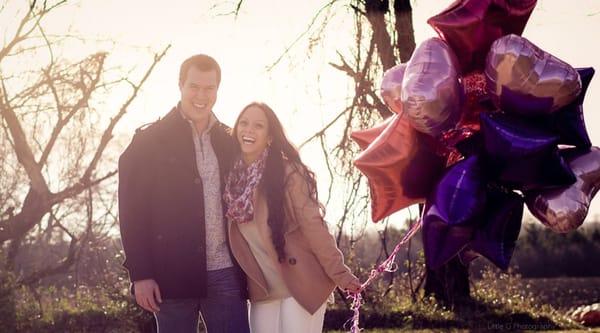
{"x": 211, "y": 218}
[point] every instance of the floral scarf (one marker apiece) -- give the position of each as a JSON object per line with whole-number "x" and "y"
{"x": 240, "y": 187}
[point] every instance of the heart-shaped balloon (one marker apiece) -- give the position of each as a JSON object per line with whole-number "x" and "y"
{"x": 497, "y": 234}
{"x": 569, "y": 121}
{"x": 565, "y": 209}
{"x": 460, "y": 195}
{"x": 383, "y": 162}
{"x": 471, "y": 26}
{"x": 391, "y": 87}
{"x": 521, "y": 154}
{"x": 524, "y": 79}
{"x": 431, "y": 93}
{"x": 441, "y": 242}
{"x": 364, "y": 137}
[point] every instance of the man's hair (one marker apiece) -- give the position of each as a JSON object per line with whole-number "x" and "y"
{"x": 202, "y": 62}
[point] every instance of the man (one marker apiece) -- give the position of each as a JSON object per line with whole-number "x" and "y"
{"x": 171, "y": 212}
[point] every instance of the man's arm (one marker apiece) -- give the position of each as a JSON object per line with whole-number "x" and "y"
{"x": 134, "y": 184}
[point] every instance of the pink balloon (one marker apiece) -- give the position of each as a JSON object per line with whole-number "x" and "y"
{"x": 471, "y": 26}
{"x": 431, "y": 93}
{"x": 525, "y": 79}
{"x": 364, "y": 137}
{"x": 565, "y": 209}
{"x": 383, "y": 162}
{"x": 391, "y": 86}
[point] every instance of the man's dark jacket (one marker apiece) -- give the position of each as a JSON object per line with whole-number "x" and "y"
{"x": 161, "y": 205}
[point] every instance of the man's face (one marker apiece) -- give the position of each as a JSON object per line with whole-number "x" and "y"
{"x": 198, "y": 94}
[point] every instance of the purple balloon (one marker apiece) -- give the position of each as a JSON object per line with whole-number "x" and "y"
{"x": 431, "y": 94}
{"x": 497, "y": 235}
{"x": 522, "y": 155}
{"x": 460, "y": 194}
{"x": 569, "y": 122}
{"x": 441, "y": 242}
{"x": 524, "y": 79}
{"x": 467, "y": 255}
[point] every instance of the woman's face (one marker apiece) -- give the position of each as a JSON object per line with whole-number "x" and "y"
{"x": 253, "y": 133}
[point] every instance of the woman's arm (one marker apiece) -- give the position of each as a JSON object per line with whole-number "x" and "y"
{"x": 307, "y": 214}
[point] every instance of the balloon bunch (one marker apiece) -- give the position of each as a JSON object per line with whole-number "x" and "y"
{"x": 484, "y": 122}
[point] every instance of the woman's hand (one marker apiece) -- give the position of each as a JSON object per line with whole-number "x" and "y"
{"x": 354, "y": 286}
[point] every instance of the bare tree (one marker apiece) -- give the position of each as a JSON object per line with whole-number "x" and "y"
{"x": 55, "y": 141}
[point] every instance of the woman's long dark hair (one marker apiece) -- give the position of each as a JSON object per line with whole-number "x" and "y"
{"x": 273, "y": 181}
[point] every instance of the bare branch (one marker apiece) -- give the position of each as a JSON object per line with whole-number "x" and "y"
{"x": 324, "y": 129}
{"x": 22, "y": 148}
{"x": 310, "y": 25}
{"x": 98, "y": 62}
{"x": 107, "y": 135}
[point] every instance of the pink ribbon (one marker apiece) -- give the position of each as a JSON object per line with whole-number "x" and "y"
{"x": 386, "y": 266}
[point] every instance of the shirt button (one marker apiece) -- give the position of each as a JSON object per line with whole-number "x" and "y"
{"x": 292, "y": 261}
{"x": 197, "y": 181}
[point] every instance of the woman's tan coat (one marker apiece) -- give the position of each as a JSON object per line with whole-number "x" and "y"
{"x": 313, "y": 266}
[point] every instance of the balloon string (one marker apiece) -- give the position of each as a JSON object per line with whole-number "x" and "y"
{"x": 386, "y": 266}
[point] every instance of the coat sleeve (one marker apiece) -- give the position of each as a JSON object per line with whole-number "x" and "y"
{"x": 134, "y": 184}
{"x": 307, "y": 214}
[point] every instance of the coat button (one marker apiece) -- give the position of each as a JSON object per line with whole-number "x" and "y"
{"x": 292, "y": 261}
{"x": 198, "y": 181}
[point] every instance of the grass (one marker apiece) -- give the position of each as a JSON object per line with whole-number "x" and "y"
{"x": 501, "y": 302}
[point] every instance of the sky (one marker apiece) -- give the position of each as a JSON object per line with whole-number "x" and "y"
{"x": 303, "y": 89}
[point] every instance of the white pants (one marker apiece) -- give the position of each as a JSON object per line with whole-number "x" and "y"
{"x": 285, "y": 316}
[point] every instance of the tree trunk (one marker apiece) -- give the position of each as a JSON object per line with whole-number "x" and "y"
{"x": 405, "y": 34}
{"x": 449, "y": 284}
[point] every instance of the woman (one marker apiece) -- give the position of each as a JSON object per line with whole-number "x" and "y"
{"x": 276, "y": 229}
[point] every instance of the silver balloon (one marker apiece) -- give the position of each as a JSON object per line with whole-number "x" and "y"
{"x": 565, "y": 209}
{"x": 525, "y": 79}
{"x": 391, "y": 87}
{"x": 431, "y": 93}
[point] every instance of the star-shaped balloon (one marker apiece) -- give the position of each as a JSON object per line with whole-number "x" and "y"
{"x": 460, "y": 194}
{"x": 441, "y": 242}
{"x": 522, "y": 155}
{"x": 471, "y": 26}
{"x": 364, "y": 137}
{"x": 568, "y": 121}
{"x": 499, "y": 228}
{"x": 383, "y": 163}
{"x": 565, "y": 209}
{"x": 524, "y": 79}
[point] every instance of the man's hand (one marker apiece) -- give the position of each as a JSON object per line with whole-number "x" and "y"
{"x": 147, "y": 294}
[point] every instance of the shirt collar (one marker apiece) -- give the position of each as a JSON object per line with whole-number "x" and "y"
{"x": 212, "y": 120}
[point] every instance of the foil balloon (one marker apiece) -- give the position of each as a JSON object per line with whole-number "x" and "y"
{"x": 383, "y": 162}
{"x": 467, "y": 255}
{"x": 460, "y": 194}
{"x": 522, "y": 155}
{"x": 391, "y": 86}
{"x": 441, "y": 242}
{"x": 471, "y": 26}
{"x": 364, "y": 137}
{"x": 569, "y": 122}
{"x": 565, "y": 209}
{"x": 500, "y": 226}
{"x": 524, "y": 79}
{"x": 431, "y": 93}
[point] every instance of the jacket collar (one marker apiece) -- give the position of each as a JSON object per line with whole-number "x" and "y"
{"x": 212, "y": 119}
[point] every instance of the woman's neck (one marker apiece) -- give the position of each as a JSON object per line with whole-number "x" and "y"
{"x": 250, "y": 158}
